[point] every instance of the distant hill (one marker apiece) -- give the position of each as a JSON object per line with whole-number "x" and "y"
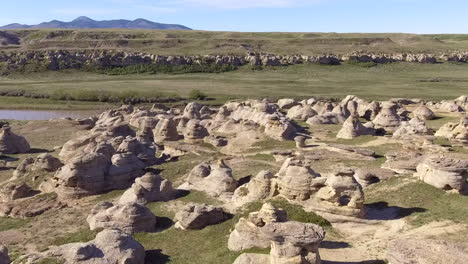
{"x": 86, "y": 23}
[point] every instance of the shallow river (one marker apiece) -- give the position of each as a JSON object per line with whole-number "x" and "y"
{"x": 44, "y": 114}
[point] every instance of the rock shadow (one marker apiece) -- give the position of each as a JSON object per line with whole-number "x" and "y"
{"x": 163, "y": 223}
{"x": 377, "y": 261}
{"x": 381, "y": 211}
{"x": 39, "y": 151}
{"x": 156, "y": 257}
{"x": 8, "y": 158}
{"x": 334, "y": 244}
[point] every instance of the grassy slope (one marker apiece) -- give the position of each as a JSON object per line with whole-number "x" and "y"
{"x": 212, "y": 42}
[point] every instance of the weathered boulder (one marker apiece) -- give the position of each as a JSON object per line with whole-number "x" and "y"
{"x": 214, "y": 179}
{"x": 217, "y": 141}
{"x": 10, "y": 143}
{"x": 352, "y": 128}
{"x": 443, "y": 172}
{"x": 259, "y": 188}
{"x": 424, "y": 251}
{"x": 198, "y": 216}
{"x": 387, "y": 118}
{"x": 28, "y": 205}
{"x": 110, "y": 246}
{"x": 144, "y": 152}
{"x": 192, "y": 111}
{"x": 423, "y": 112}
{"x": 4, "y": 258}
{"x": 129, "y": 217}
{"x": 368, "y": 176}
{"x": 247, "y": 232}
{"x": 194, "y": 131}
{"x": 297, "y": 181}
{"x": 301, "y": 112}
{"x": 148, "y": 188}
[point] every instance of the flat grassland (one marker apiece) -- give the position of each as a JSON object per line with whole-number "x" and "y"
{"x": 409, "y": 80}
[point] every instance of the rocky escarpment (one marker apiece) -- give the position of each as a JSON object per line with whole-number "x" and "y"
{"x": 67, "y": 59}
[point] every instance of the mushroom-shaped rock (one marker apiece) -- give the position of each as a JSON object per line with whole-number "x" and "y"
{"x": 10, "y": 143}
{"x": 443, "y": 172}
{"x": 247, "y": 232}
{"x": 300, "y": 141}
{"x": 111, "y": 246}
{"x": 198, "y": 216}
{"x": 4, "y": 258}
{"x": 294, "y": 242}
{"x": 423, "y": 112}
{"x": 352, "y": 128}
{"x": 148, "y": 188}
{"x": 130, "y": 217}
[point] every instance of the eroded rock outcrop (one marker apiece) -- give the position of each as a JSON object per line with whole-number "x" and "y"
{"x": 213, "y": 178}
{"x": 423, "y": 112}
{"x": 110, "y": 246}
{"x": 198, "y": 216}
{"x": 412, "y": 128}
{"x": 259, "y": 188}
{"x": 148, "y": 188}
{"x": 42, "y": 163}
{"x": 247, "y": 232}
{"x": 443, "y": 172}
{"x": 455, "y": 131}
{"x": 353, "y": 128}
{"x": 129, "y": 217}
{"x": 387, "y": 118}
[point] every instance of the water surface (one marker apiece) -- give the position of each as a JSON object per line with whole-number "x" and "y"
{"x": 44, "y": 114}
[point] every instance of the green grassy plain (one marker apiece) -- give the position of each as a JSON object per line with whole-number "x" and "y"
{"x": 431, "y": 82}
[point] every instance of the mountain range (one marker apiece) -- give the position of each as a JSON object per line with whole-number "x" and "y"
{"x": 86, "y": 22}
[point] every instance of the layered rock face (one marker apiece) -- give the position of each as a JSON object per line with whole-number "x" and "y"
{"x": 423, "y": 251}
{"x": 65, "y": 59}
{"x": 10, "y": 143}
{"x": 443, "y": 172}
{"x": 148, "y": 188}
{"x": 129, "y": 217}
{"x": 198, "y": 216}
{"x": 214, "y": 179}
{"x": 110, "y": 246}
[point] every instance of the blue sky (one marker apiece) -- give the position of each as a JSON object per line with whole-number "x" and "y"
{"x": 412, "y": 16}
